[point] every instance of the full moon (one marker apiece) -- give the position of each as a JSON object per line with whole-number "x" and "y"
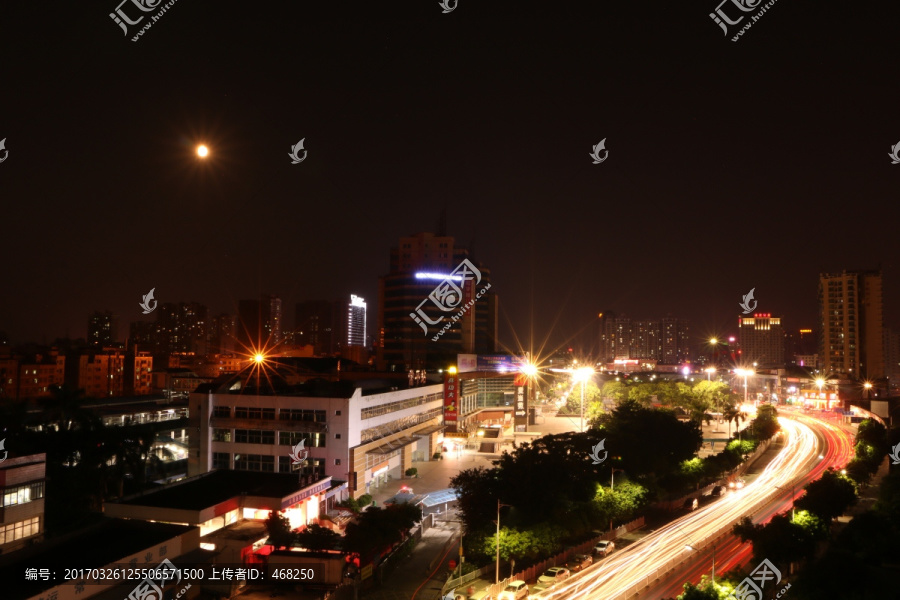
{"x": 202, "y": 151}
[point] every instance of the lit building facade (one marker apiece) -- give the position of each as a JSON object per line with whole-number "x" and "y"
{"x": 761, "y": 339}
{"x": 418, "y": 265}
{"x": 352, "y": 431}
{"x": 21, "y": 501}
{"x": 851, "y": 312}
{"x": 664, "y": 341}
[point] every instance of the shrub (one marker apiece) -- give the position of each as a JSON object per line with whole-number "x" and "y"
{"x": 437, "y": 456}
{"x": 365, "y": 500}
{"x": 412, "y": 472}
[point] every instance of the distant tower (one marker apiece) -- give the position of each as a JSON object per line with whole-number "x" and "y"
{"x": 356, "y": 321}
{"x": 852, "y": 328}
{"x": 101, "y": 329}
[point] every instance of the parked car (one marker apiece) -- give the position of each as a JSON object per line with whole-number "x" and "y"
{"x": 579, "y": 562}
{"x": 691, "y": 504}
{"x": 482, "y": 595}
{"x": 604, "y": 548}
{"x": 516, "y": 590}
{"x": 554, "y": 574}
{"x": 719, "y": 491}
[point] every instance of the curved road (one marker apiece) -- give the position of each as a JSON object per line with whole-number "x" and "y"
{"x": 657, "y": 565}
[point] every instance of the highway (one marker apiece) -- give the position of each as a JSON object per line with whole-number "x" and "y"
{"x": 657, "y": 565}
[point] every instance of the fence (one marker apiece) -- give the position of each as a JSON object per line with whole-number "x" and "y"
{"x": 533, "y": 571}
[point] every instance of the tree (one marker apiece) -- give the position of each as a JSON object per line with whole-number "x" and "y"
{"x": 630, "y": 426}
{"x": 316, "y": 537}
{"x": 829, "y": 496}
{"x": 477, "y": 490}
{"x": 765, "y": 425}
{"x": 378, "y": 529}
{"x": 279, "y": 530}
{"x": 614, "y": 390}
{"x": 734, "y": 413}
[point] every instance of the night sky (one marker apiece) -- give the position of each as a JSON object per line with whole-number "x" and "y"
{"x": 732, "y": 165}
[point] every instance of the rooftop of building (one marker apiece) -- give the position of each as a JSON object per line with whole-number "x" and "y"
{"x": 106, "y": 541}
{"x": 312, "y": 377}
{"x": 215, "y": 487}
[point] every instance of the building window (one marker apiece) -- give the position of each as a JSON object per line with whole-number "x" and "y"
{"x": 337, "y": 413}
{"x": 292, "y": 438}
{"x": 337, "y": 436}
{"x": 22, "y": 529}
{"x": 222, "y": 435}
{"x": 240, "y": 412}
{"x": 22, "y": 494}
{"x": 254, "y": 436}
{"x": 222, "y": 411}
{"x": 221, "y": 460}
{"x": 337, "y": 462}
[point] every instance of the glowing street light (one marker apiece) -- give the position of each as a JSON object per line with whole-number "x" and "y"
{"x": 744, "y": 373}
{"x": 709, "y": 372}
{"x": 259, "y": 359}
{"x": 868, "y": 386}
{"x": 202, "y": 151}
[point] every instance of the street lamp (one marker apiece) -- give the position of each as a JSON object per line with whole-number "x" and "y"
{"x": 689, "y": 547}
{"x": 709, "y": 372}
{"x": 202, "y": 151}
{"x": 582, "y": 375}
{"x": 868, "y": 386}
{"x": 744, "y": 373}
{"x": 612, "y": 477}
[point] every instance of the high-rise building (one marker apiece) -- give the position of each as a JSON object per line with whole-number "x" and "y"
{"x": 316, "y": 326}
{"x": 892, "y": 357}
{"x": 356, "y": 321}
{"x": 423, "y": 276}
{"x": 761, "y": 338}
{"x": 221, "y": 334}
{"x": 181, "y": 328}
{"x": 259, "y": 323}
{"x": 102, "y": 329}
{"x": 850, "y": 309}
{"x": 272, "y": 321}
{"x": 665, "y": 341}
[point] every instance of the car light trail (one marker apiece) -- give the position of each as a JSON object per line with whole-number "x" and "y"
{"x": 663, "y": 552}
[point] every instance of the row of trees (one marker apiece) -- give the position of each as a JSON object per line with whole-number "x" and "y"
{"x": 374, "y": 532}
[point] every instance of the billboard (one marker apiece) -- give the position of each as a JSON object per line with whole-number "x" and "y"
{"x": 451, "y": 397}
{"x": 521, "y": 412}
{"x": 500, "y": 363}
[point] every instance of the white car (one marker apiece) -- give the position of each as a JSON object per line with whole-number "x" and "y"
{"x": 516, "y": 590}
{"x": 554, "y": 574}
{"x": 604, "y": 548}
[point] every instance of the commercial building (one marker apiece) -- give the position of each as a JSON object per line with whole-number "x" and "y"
{"x": 851, "y": 308}
{"x": 433, "y": 304}
{"x": 361, "y": 431}
{"x": 21, "y": 500}
{"x": 761, "y": 339}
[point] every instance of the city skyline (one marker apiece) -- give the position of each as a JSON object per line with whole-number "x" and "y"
{"x": 711, "y": 186}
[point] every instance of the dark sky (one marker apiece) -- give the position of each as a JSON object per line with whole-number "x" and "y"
{"x": 755, "y": 164}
